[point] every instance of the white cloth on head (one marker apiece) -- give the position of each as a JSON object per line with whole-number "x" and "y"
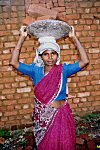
{"x": 46, "y": 43}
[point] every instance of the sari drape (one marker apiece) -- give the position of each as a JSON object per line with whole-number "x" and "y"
{"x": 54, "y": 127}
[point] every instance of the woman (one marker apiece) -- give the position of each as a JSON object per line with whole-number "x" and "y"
{"x": 54, "y": 124}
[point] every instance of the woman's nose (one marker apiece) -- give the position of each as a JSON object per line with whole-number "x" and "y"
{"x": 50, "y": 56}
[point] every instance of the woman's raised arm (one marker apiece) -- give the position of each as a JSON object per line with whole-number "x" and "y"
{"x": 15, "y": 55}
{"x": 83, "y": 56}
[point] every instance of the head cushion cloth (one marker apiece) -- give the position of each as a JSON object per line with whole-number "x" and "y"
{"x": 46, "y": 43}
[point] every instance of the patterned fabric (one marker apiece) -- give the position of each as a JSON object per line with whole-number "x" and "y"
{"x": 43, "y": 118}
{"x": 54, "y": 127}
{"x": 61, "y": 134}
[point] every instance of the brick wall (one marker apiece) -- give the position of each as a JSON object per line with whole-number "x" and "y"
{"x": 17, "y": 91}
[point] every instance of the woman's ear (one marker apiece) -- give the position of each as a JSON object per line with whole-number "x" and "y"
{"x": 40, "y": 55}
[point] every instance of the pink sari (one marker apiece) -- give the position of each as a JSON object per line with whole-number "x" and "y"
{"x": 54, "y": 127}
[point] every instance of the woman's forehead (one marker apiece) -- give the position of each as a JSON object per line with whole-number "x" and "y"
{"x": 49, "y": 51}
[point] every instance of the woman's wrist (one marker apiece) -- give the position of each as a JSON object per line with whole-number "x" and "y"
{"x": 22, "y": 37}
{"x": 20, "y": 42}
{"x": 74, "y": 37}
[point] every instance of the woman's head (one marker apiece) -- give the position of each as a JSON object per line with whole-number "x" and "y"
{"x": 49, "y": 44}
{"x": 49, "y": 57}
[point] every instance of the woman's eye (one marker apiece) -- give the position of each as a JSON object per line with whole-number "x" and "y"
{"x": 45, "y": 54}
{"x": 53, "y": 53}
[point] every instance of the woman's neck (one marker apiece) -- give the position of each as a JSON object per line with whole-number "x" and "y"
{"x": 47, "y": 69}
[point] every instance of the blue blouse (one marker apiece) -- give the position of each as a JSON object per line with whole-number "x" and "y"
{"x": 37, "y": 73}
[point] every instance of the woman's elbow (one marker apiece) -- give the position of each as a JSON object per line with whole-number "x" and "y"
{"x": 84, "y": 64}
{"x": 14, "y": 64}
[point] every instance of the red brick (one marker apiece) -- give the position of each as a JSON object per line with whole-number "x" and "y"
{"x": 85, "y": 16}
{"x": 44, "y": 17}
{"x": 73, "y": 16}
{"x": 96, "y": 87}
{"x": 79, "y": 28}
{"x": 81, "y": 21}
{"x": 95, "y": 82}
{"x": 49, "y": 5}
{"x": 97, "y": 3}
{"x": 86, "y": 4}
{"x": 71, "y": 5}
{"x": 28, "y": 20}
{"x": 87, "y": 27}
{"x": 38, "y": 11}
{"x": 2, "y": 124}
{"x": 9, "y": 44}
{"x": 24, "y": 100}
{"x": 18, "y": 107}
{"x": 3, "y": 108}
{"x": 25, "y": 111}
{"x": 10, "y": 96}
{"x": 86, "y": 39}
{"x": 84, "y": 83}
{"x": 1, "y": 86}
{"x": 42, "y": 1}
{"x": 89, "y": 88}
{"x": 12, "y": 118}
{"x": 7, "y": 80}
{"x": 59, "y": 9}
{"x": 8, "y": 91}
{"x": 61, "y": 17}
{"x": 55, "y": 1}
{"x": 96, "y": 108}
{"x": 85, "y": 104}
{"x": 7, "y": 86}
{"x": 95, "y": 55}
{"x": 96, "y": 39}
{"x": 98, "y": 9}
{"x": 95, "y": 93}
{"x": 42, "y": 5}
{"x": 89, "y": 21}
{"x": 96, "y": 22}
{"x": 97, "y": 33}
{"x": 11, "y": 108}
{"x": 55, "y": 4}
{"x": 93, "y": 27}
{"x": 94, "y": 72}
{"x": 10, "y": 113}
{"x": 73, "y": 106}
{"x": 82, "y": 89}
{"x": 9, "y": 102}
{"x": 76, "y": 100}
{"x": 93, "y": 10}
{"x": 3, "y": 119}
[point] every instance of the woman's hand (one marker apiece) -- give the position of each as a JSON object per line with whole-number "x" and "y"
{"x": 72, "y": 32}
{"x": 23, "y": 31}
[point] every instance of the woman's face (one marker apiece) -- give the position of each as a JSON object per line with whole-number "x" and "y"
{"x": 49, "y": 57}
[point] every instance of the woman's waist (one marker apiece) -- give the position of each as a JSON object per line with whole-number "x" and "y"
{"x": 58, "y": 104}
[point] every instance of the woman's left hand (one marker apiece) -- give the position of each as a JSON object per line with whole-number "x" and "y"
{"x": 72, "y": 32}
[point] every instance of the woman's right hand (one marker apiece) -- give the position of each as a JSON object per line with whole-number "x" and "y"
{"x": 23, "y": 31}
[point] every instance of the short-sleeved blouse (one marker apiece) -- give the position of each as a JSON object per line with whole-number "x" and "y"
{"x": 37, "y": 73}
